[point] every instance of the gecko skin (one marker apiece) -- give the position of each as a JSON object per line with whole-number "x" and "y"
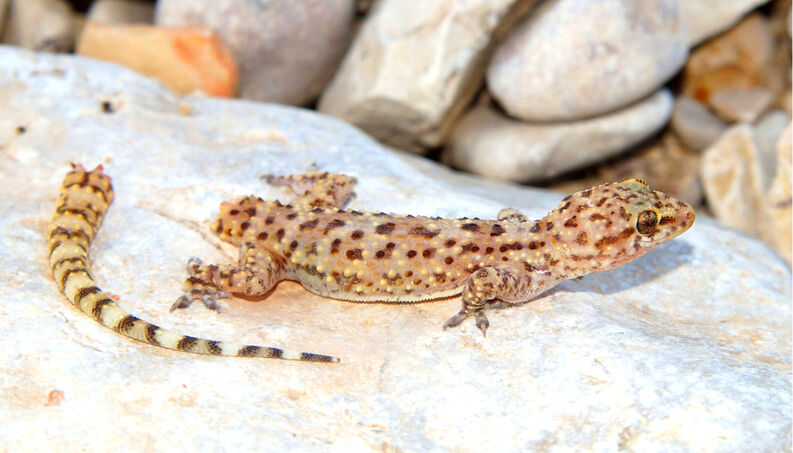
{"x": 376, "y": 257}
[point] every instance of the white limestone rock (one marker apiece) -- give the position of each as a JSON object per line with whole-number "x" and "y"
{"x": 287, "y": 51}
{"x": 572, "y": 59}
{"x": 705, "y": 18}
{"x": 685, "y": 349}
{"x": 488, "y": 143}
{"x": 414, "y": 66}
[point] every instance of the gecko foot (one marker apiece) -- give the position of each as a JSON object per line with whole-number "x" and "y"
{"x": 481, "y": 320}
{"x": 197, "y": 288}
{"x": 209, "y": 301}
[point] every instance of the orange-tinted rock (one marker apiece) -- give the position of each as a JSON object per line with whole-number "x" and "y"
{"x": 186, "y": 59}
{"x": 737, "y": 59}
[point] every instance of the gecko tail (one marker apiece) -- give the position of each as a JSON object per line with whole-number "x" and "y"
{"x": 84, "y": 199}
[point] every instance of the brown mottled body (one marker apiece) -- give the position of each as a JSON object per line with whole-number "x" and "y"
{"x": 367, "y": 257}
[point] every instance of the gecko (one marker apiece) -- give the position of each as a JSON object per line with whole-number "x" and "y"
{"x": 367, "y": 256}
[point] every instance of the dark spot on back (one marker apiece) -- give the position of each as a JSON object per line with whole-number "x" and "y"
{"x": 308, "y": 224}
{"x": 427, "y": 253}
{"x": 354, "y": 254}
{"x": 423, "y": 231}
{"x": 497, "y": 230}
{"x": 335, "y": 223}
{"x": 385, "y": 228}
{"x": 470, "y": 227}
{"x": 357, "y": 234}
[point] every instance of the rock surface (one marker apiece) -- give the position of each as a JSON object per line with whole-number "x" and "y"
{"x": 572, "y": 59}
{"x": 414, "y": 66}
{"x": 121, "y": 12}
{"x": 696, "y": 126}
{"x": 734, "y": 179}
{"x": 287, "y": 51}
{"x": 186, "y": 59}
{"x": 779, "y": 200}
{"x": 747, "y": 183}
{"x": 706, "y": 18}
{"x": 685, "y": 349}
{"x": 743, "y": 104}
{"x": 739, "y": 58}
{"x": 45, "y": 25}
{"x": 3, "y": 13}
{"x": 488, "y": 143}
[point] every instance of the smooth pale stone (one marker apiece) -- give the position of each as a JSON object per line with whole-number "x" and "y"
{"x": 694, "y": 124}
{"x": 705, "y": 18}
{"x": 572, "y": 59}
{"x": 738, "y": 58}
{"x": 734, "y": 180}
{"x": 121, "y": 12}
{"x": 414, "y": 67}
{"x": 742, "y": 104}
{"x": 44, "y": 25}
{"x": 488, "y": 143}
{"x": 186, "y": 59}
{"x": 287, "y": 51}
{"x": 3, "y": 13}
{"x": 767, "y": 133}
{"x": 779, "y": 197}
{"x": 684, "y": 349}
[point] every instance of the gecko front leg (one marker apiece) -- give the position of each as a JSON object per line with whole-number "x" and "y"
{"x": 257, "y": 272}
{"x": 506, "y": 283}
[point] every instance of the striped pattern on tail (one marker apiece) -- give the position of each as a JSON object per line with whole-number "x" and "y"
{"x": 84, "y": 199}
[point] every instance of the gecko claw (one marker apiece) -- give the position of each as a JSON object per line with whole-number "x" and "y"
{"x": 481, "y": 322}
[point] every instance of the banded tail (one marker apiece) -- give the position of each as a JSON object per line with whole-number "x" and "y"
{"x": 84, "y": 199}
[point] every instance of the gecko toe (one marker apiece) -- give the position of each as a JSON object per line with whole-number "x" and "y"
{"x": 182, "y": 302}
{"x": 481, "y": 322}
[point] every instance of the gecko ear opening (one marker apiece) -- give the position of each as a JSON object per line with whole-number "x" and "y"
{"x": 646, "y": 222}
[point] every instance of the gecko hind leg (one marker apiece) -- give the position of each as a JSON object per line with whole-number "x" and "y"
{"x": 484, "y": 285}
{"x": 316, "y": 189}
{"x": 258, "y": 271}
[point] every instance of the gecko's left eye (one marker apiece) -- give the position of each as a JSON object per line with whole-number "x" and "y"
{"x": 647, "y": 222}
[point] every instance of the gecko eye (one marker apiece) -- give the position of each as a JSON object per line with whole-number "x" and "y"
{"x": 646, "y": 222}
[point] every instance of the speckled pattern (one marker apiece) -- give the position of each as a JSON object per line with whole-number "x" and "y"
{"x": 367, "y": 257}
{"x": 362, "y": 256}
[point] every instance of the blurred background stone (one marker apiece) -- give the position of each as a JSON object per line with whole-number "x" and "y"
{"x": 705, "y": 18}
{"x": 488, "y": 143}
{"x": 122, "y": 12}
{"x": 3, "y": 13}
{"x": 287, "y": 51}
{"x": 741, "y": 104}
{"x": 573, "y": 59}
{"x": 187, "y": 59}
{"x": 43, "y": 25}
{"x": 694, "y": 124}
{"x": 414, "y": 67}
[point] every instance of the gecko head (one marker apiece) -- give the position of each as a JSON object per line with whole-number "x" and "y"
{"x": 611, "y": 224}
